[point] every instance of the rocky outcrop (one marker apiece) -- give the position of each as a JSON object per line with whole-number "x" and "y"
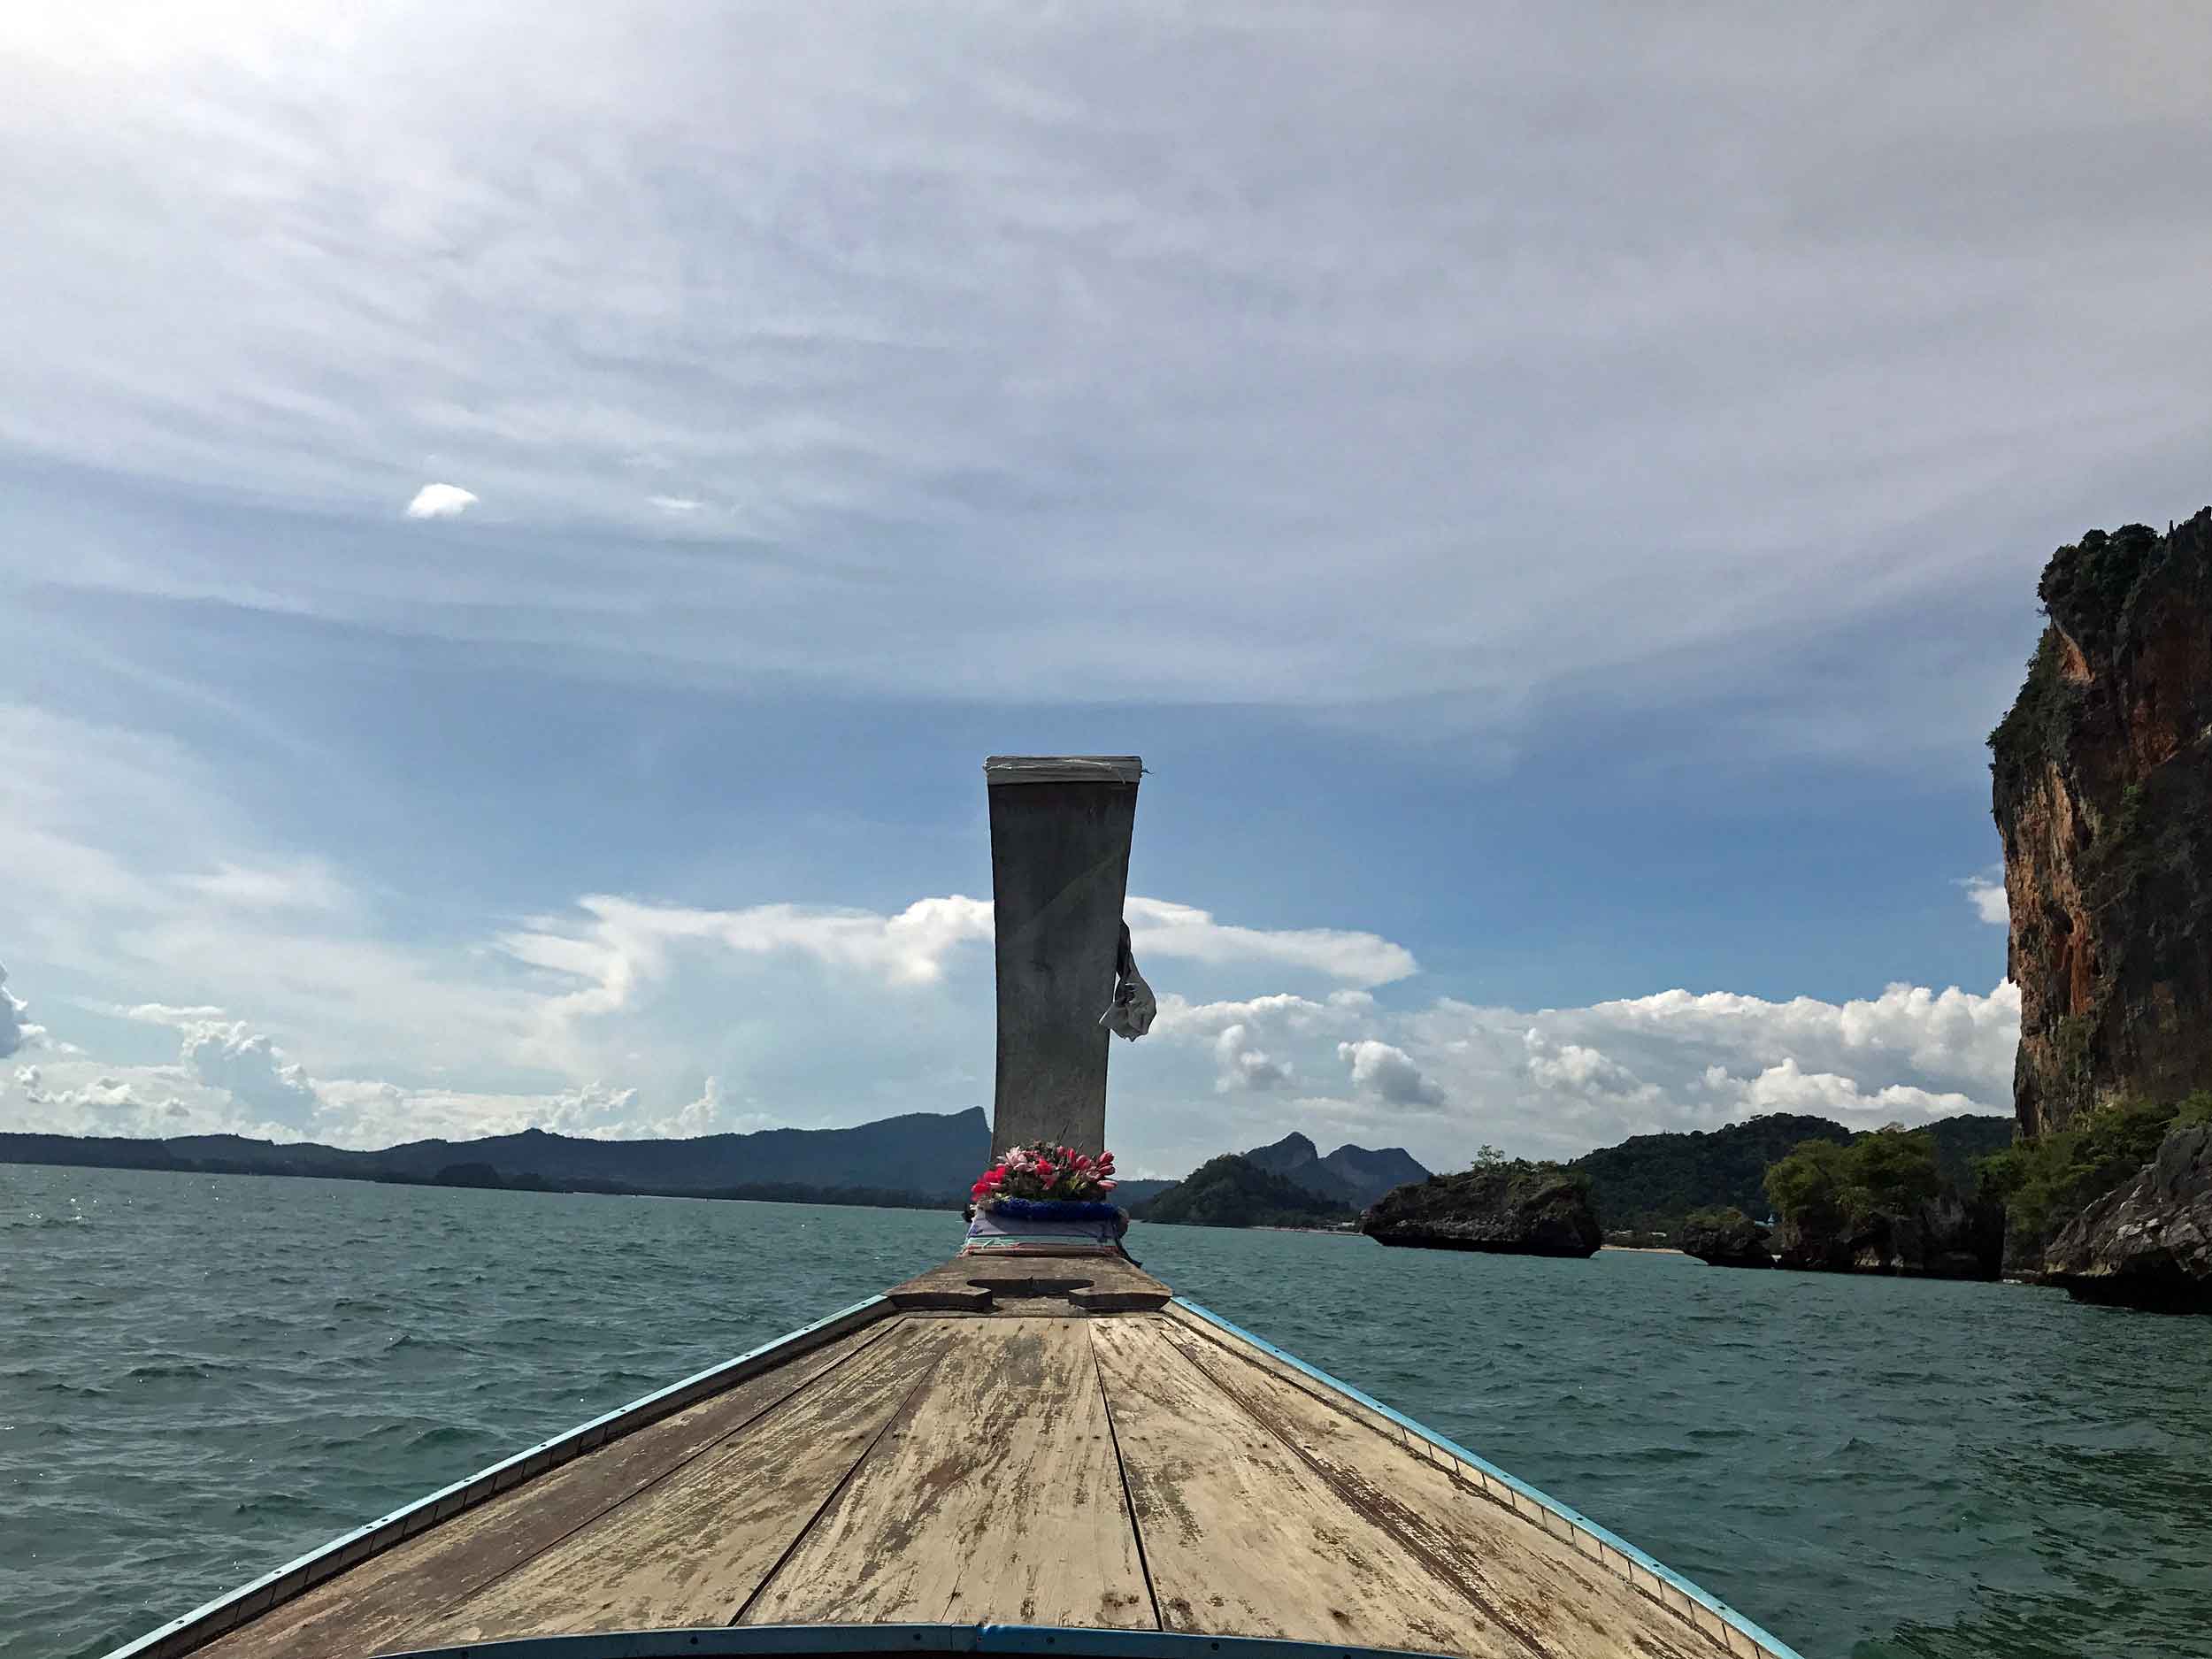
{"x": 2148, "y": 1242}
{"x": 1940, "y": 1238}
{"x": 2101, "y": 785}
{"x": 1515, "y": 1209}
{"x": 1725, "y": 1238}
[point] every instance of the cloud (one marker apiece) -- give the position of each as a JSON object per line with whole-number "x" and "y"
{"x": 1388, "y": 1074}
{"x": 1247, "y": 1068}
{"x": 1143, "y": 326}
{"x": 439, "y": 501}
{"x": 1158, "y": 928}
{"x": 15, "y": 1033}
{"x": 1986, "y": 894}
{"x": 679, "y": 506}
{"x": 621, "y": 947}
{"x": 304, "y": 884}
{"x": 1440, "y": 1075}
{"x": 250, "y": 1068}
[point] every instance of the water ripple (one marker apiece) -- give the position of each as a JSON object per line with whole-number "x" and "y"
{"x": 206, "y": 1376}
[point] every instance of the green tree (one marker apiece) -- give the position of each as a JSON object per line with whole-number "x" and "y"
{"x": 1890, "y": 1173}
{"x": 2045, "y": 1184}
{"x": 1810, "y": 1187}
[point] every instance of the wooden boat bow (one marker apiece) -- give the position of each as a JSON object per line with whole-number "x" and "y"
{"x": 1012, "y": 1453}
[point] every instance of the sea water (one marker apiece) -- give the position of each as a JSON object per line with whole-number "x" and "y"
{"x": 202, "y": 1376}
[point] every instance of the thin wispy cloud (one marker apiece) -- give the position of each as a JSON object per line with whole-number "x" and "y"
{"x": 497, "y": 547}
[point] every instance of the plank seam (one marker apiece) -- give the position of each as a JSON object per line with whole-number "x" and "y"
{"x": 1128, "y": 1497}
{"x": 899, "y": 1416}
{"x": 1613, "y": 1552}
{"x": 1428, "y": 1557}
{"x": 884, "y": 1329}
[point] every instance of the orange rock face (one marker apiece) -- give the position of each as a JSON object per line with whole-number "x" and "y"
{"x": 2101, "y": 781}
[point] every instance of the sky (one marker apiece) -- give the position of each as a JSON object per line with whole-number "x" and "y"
{"x": 519, "y": 528}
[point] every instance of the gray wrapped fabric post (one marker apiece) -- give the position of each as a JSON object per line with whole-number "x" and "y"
{"x": 1060, "y": 833}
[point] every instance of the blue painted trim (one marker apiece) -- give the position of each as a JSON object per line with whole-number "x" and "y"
{"x": 1077, "y": 1643}
{"x": 391, "y": 1528}
{"x": 1773, "y": 1645}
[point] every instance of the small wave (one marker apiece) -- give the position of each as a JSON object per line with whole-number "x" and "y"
{"x": 162, "y": 1373}
{"x": 273, "y": 1503}
{"x": 444, "y": 1434}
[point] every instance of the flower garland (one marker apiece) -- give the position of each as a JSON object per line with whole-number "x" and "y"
{"x": 1044, "y": 1173}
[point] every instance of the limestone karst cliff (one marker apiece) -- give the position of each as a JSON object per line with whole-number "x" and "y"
{"x": 2103, "y": 791}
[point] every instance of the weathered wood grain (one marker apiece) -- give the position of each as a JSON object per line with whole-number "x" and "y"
{"x": 1242, "y": 1539}
{"x": 691, "y": 1548}
{"x": 367, "y": 1609}
{"x": 1527, "y": 1577}
{"x": 995, "y": 1497}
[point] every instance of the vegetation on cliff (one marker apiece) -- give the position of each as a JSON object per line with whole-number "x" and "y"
{"x": 1726, "y": 1238}
{"x": 2148, "y": 1243}
{"x": 1231, "y": 1191}
{"x": 1881, "y": 1205}
{"x": 1509, "y": 1206}
{"x": 1651, "y": 1184}
{"x": 2101, "y": 788}
{"x": 2044, "y": 1184}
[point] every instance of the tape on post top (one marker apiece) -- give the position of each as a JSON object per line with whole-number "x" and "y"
{"x": 1063, "y": 769}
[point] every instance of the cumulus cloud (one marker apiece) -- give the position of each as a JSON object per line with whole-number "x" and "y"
{"x": 439, "y": 501}
{"x": 1441, "y": 1075}
{"x": 1574, "y": 1067}
{"x": 1245, "y": 1067}
{"x": 622, "y": 946}
{"x": 1986, "y": 894}
{"x": 1389, "y": 1074}
{"x": 16, "y": 1032}
{"x": 249, "y": 1066}
{"x": 137, "y": 1102}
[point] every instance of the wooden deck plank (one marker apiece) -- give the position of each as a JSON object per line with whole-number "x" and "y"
{"x": 368, "y": 1607}
{"x": 1242, "y": 1539}
{"x": 996, "y": 1497}
{"x": 1536, "y": 1582}
{"x": 690, "y": 1550}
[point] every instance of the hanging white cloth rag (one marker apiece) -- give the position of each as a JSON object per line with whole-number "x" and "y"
{"x": 1135, "y": 1007}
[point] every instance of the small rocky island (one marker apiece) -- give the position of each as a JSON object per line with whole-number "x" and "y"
{"x": 1509, "y": 1207}
{"x": 1726, "y": 1238}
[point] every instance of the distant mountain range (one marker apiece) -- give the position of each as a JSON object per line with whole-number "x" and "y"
{"x": 1287, "y": 1183}
{"x": 1649, "y": 1182}
{"x": 1356, "y": 1176}
{"x": 921, "y": 1158}
{"x": 1231, "y": 1191}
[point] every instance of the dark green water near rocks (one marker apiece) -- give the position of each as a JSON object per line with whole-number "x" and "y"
{"x": 203, "y": 1376}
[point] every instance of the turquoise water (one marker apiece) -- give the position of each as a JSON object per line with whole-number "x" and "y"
{"x": 203, "y": 1376}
